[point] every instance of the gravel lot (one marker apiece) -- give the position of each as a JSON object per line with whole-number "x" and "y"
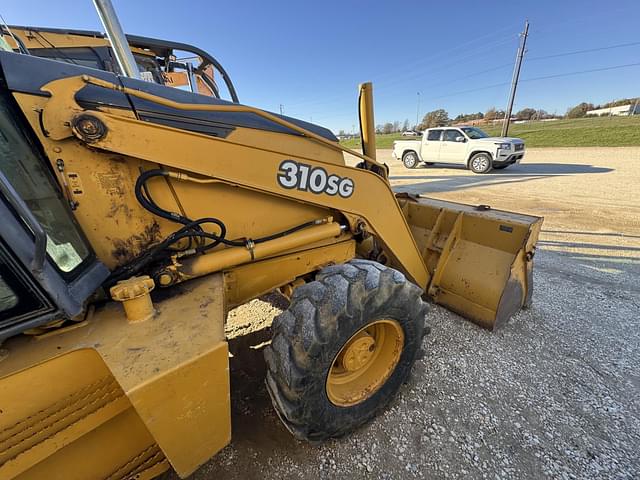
{"x": 555, "y": 394}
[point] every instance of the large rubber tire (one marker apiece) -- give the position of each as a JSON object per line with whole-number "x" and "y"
{"x": 480, "y": 163}
{"x": 322, "y": 317}
{"x": 410, "y": 160}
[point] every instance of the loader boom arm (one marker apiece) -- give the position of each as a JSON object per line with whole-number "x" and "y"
{"x": 369, "y": 204}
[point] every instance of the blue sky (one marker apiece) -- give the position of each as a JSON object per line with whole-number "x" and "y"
{"x": 310, "y": 56}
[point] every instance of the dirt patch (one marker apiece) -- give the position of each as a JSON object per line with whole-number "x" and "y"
{"x": 555, "y": 393}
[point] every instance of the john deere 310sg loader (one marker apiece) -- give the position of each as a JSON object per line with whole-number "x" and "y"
{"x": 135, "y": 215}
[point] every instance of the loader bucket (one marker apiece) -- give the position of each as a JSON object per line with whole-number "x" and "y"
{"x": 479, "y": 259}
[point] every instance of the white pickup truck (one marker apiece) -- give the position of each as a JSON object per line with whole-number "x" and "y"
{"x": 462, "y": 145}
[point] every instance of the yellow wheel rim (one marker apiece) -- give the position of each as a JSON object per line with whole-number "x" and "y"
{"x": 365, "y": 362}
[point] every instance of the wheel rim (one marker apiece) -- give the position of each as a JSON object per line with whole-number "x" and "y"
{"x": 410, "y": 160}
{"x": 480, "y": 163}
{"x": 365, "y": 362}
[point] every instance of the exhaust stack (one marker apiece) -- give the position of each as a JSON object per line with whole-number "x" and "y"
{"x": 117, "y": 38}
{"x": 367, "y": 124}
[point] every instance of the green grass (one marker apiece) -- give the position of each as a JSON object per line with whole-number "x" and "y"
{"x": 382, "y": 140}
{"x": 579, "y": 132}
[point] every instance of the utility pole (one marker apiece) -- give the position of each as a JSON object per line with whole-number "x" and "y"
{"x": 281, "y": 109}
{"x": 514, "y": 79}
{"x": 418, "y": 111}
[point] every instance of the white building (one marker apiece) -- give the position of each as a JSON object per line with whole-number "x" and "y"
{"x": 631, "y": 109}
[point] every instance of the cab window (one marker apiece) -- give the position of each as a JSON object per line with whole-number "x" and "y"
{"x": 8, "y": 297}
{"x": 451, "y": 135}
{"x": 26, "y": 170}
{"x": 18, "y": 299}
{"x": 434, "y": 135}
{"x": 82, "y": 56}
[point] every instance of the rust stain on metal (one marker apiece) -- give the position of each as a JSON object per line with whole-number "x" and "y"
{"x": 127, "y": 249}
{"x": 117, "y": 210}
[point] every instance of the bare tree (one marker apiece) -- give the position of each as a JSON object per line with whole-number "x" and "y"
{"x": 388, "y": 128}
{"x": 526, "y": 114}
{"x": 579, "y": 110}
{"x": 490, "y": 114}
{"x": 405, "y": 125}
{"x": 437, "y": 118}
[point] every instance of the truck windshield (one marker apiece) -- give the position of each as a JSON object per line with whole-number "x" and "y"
{"x": 474, "y": 133}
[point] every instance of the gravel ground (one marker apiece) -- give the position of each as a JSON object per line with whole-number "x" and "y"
{"x": 553, "y": 394}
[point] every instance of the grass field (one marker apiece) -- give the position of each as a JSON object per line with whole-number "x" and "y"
{"x": 578, "y": 132}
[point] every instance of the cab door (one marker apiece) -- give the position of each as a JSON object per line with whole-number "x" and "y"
{"x": 430, "y": 151}
{"x": 454, "y": 147}
{"x": 47, "y": 268}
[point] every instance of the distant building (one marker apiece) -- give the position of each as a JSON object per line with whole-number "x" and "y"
{"x": 620, "y": 110}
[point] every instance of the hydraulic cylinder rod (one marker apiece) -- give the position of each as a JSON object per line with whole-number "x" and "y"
{"x": 229, "y": 257}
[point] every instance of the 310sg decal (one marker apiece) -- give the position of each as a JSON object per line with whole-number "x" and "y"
{"x": 316, "y": 180}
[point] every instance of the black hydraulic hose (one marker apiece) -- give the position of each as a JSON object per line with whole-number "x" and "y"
{"x": 191, "y": 229}
{"x": 143, "y": 196}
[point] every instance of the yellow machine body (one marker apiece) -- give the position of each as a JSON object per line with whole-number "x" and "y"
{"x": 108, "y": 398}
{"x": 123, "y": 396}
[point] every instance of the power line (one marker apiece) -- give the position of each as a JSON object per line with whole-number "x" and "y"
{"x": 386, "y": 85}
{"x": 442, "y": 60}
{"x": 454, "y": 62}
{"x": 580, "y": 72}
{"x": 577, "y": 52}
{"x": 486, "y": 87}
{"x": 465, "y": 77}
{"x": 319, "y": 104}
{"x": 533, "y": 79}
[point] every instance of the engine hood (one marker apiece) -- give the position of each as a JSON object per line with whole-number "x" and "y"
{"x": 500, "y": 140}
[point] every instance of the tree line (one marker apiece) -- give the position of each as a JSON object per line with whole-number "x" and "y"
{"x": 581, "y": 109}
{"x": 440, "y": 117}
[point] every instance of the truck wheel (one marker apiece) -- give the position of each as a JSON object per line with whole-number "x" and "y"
{"x": 410, "y": 160}
{"x": 480, "y": 163}
{"x": 343, "y": 348}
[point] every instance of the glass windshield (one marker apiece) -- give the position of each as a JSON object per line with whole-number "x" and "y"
{"x": 85, "y": 57}
{"x": 474, "y": 133}
{"x": 17, "y": 297}
{"x": 8, "y": 298}
{"x": 29, "y": 176}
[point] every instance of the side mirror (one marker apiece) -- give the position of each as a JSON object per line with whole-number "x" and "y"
{"x": 461, "y": 139}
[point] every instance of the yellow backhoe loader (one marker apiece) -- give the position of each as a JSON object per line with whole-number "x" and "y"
{"x": 135, "y": 215}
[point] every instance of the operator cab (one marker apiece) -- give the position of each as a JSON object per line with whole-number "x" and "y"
{"x": 159, "y": 61}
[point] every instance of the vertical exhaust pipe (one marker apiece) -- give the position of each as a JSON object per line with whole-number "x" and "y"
{"x": 117, "y": 38}
{"x": 367, "y": 123}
